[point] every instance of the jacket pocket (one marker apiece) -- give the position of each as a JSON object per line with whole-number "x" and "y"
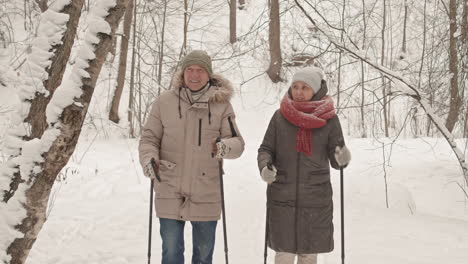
{"x": 316, "y": 195}
{"x": 206, "y": 185}
{"x": 168, "y": 185}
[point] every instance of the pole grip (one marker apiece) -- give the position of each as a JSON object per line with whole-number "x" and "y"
{"x": 155, "y": 169}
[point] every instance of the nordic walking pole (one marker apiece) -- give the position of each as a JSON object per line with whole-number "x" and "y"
{"x": 150, "y": 221}
{"x": 342, "y": 217}
{"x": 155, "y": 170}
{"x": 223, "y": 210}
{"x": 265, "y": 252}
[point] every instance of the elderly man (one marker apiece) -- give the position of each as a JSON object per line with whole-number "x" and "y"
{"x": 180, "y": 134}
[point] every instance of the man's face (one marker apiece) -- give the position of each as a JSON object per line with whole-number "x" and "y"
{"x": 195, "y": 77}
{"x": 301, "y": 92}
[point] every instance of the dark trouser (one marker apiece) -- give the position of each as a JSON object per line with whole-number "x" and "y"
{"x": 172, "y": 234}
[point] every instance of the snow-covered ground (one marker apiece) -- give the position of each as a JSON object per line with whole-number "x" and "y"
{"x": 100, "y": 211}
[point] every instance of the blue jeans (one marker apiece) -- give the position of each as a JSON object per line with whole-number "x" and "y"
{"x": 172, "y": 235}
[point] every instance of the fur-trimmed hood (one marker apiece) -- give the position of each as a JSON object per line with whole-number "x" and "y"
{"x": 221, "y": 90}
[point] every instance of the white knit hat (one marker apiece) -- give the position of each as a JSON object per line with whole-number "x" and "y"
{"x": 312, "y": 76}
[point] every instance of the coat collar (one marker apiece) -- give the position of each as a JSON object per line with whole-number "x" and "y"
{"x": 221, "y": 90}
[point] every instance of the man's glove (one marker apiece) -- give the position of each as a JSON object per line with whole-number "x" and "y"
{"x": 149, "y": 171}
{"x": 342, "y": 156}
{"x": 220, "y": 149}
{"x": 268, "y": 174}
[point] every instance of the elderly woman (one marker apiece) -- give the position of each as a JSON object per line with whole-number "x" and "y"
{"x": 304, "y": 136}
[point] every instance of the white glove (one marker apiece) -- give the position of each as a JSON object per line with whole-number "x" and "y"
{"x": 342, "y": 156}
{"x": 221, "y": 149}
{"x": 268, "y": 175}
{"x": 148, "y": 170}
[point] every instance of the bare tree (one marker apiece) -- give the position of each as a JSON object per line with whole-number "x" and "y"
{"x": 364, "y": 31}
{"x": 186, "y": 21}
{"x": 232, "y": 21}
{"x": 405, "y": 20}
{"x": 408, "y": 90}
{"x": 455, "y": 100}
{"x": 132, "y": 74}
{"x": 274, "y": 71}
{"x": 127, "y": 23}
{"x": 382, "y": 62}
{"x": 35, "y": 186}
{"x": 161, "y": 50}
{"x": 338, "y": 86}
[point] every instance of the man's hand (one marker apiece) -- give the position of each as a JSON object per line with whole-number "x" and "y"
{"x": 149, "y": 171}
{"x": 219, "y": 149}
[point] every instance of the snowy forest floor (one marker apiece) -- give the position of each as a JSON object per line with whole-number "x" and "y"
{"x": 100, "y": 211}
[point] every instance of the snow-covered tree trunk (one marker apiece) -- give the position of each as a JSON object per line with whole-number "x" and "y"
{"x": 37, "y": 157}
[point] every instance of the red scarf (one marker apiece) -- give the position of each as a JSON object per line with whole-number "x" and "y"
{"x": 307, "y": 115}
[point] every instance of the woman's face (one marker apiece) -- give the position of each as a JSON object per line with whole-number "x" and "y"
{"x": 301, "y": 92}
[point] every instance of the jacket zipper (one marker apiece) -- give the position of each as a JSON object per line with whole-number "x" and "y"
{"x": 199, "y": 131}
{"x": 296, "y": 220}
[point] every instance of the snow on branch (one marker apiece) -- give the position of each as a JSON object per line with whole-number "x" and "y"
{"x": 70, "y": 89}
{"x": 402, "y": 84}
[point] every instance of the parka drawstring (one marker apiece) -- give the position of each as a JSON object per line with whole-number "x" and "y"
{"x": 209, "y": 113}
{"x": 180, "y": 111}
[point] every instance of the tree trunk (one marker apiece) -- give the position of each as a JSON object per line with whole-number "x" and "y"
{"x": 232, "y": 21}
{"x": 132, "y": 75}
{"x": 455, "y": 100}
{"x": 37, "y": 116}
{"x": 340, "y": 56}
{"x": 127, "y": 24}
{"x": 56, "y": 158}
{"x": 184, "y": 43}
{"x": 421, "y": 66}
{"x": 464, "y": 62}
{"x": 382, "y": 61}
{"x": 274, "y": 71}
{"x": 161, "y": 52}
{"x": 405, "y": 19}
{"x": 363, "y": 100}
{"x": 465, "y": 126}
{"x": 42, "y": 5}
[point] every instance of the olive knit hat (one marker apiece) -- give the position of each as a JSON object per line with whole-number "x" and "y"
{"x": 198, "y": 57}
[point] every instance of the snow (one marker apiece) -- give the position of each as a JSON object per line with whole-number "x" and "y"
{"x": 100, "y": 214}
